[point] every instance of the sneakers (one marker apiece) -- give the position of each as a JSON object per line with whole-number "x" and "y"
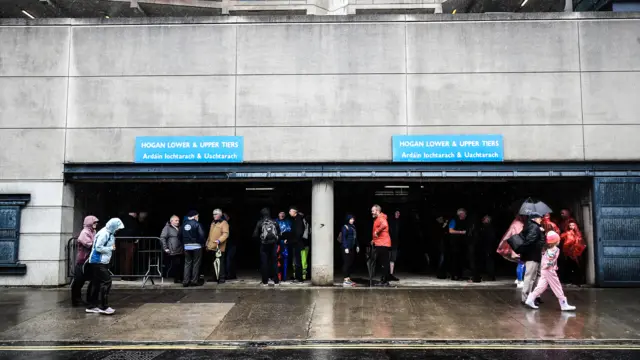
{"x": 530, "y": 303}
{"x": 519, "y": 284}
{"x": 393, "y": 278}
{"x": 564, "y": 306}
{"x": 107, "y": 311}
{"x": 92, "y": 310}
{"x": 264, "y": 285}
{"x": 348, "y": 283}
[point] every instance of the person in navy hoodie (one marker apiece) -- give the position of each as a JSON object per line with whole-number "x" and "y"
{"x": 349, "y": 248}
{"x": 99, "y": 259}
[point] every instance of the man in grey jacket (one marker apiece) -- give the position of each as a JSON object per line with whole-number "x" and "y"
{"x": 172, "y": 246}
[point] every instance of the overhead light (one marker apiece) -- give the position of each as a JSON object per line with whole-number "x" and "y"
{"x": 523, "y": 3}
{"x": 259, "y": 189}
{"x": 396, "y": 186}
{"x": 28, "y": 15}
{"x": 106, "y": 17}
{"x": 391, "y": 193}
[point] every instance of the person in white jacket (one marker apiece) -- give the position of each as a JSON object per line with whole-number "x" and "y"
{"x": 99, "y": 259}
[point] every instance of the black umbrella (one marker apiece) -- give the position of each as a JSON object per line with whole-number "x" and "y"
{"x": 529, "y": 207}
{"x": 371, "y": 263}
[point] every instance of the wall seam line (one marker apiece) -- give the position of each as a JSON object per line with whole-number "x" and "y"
{"x": 406, "y": 80}
{"x": 584, "y": 145}
{"x": 235, "y": 90}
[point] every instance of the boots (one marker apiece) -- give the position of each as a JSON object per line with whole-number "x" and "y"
{"x": 564, "y": 305}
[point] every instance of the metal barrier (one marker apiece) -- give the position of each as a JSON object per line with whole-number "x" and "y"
{"x": 134, "y": 257}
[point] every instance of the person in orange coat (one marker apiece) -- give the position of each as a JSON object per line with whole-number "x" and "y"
{"x": 382, "y": 242}
{"x": 573, "y": 245}
{"x": 549, "y": 225}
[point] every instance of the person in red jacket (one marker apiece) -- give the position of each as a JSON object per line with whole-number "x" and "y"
{"x": 382, "y": 242}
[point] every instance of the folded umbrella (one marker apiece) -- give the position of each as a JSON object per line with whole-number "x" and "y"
{"x": 216, "y": 264}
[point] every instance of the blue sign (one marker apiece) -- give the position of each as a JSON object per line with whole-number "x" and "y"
{"x": 447, "y": 148}
{"x": 189, "y": 149}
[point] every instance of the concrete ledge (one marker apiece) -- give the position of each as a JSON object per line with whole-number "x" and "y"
{"x": 322, "y": 19}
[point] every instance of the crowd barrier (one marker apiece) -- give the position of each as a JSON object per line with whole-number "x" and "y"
{"x": 134, "y": 258}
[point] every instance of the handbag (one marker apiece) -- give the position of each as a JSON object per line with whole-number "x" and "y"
{"x": 516, "y": 242}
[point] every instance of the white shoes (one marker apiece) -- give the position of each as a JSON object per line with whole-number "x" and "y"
{"x": 107, "y": 311}
{"x": 92, "y": 310}
{"x": 531, "y": 303}
{"x": 564, "y": 306}
{"x": 519, "y": 284}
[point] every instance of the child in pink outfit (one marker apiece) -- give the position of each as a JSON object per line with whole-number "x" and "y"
{"x": 548, "y": 275}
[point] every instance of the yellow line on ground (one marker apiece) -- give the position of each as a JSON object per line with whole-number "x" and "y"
{"x": 329, "y": 347}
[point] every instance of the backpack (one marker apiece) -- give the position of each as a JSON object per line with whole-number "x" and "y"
{"x": 269, "y": 232}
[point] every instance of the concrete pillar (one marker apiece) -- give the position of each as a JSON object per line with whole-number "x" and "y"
{"x": 322, "y": 236}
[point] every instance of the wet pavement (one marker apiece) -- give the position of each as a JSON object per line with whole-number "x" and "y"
{"x": 313, "y": 315}
{"x": 329, "y": 354}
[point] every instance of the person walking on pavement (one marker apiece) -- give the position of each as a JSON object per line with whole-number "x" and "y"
{"x": 172, "y": 246}
{"x": 268, "y": 232}
{"x": 82, "y": 273}
{"x": 217, "y": 242}
{"x": 548, "y": 275}
{"x": 349, "y": 248}
{"x": 382, "y": 242}
{"x": 531, "y": 252}
{"x": 395, "y": 233}
{"x": 103, "y": 247}
{"x": 295, "y": 243}
{"x": 458, "y": 228}
{"x": 192, "y": 236}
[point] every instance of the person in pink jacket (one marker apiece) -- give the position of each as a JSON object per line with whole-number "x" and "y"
{"x": 81, "y": 272}
{"x": 548, "y": 275}
{"x": 506, "y": 252}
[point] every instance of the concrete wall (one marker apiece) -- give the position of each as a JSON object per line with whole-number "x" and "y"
{"x": 302, "y": 90}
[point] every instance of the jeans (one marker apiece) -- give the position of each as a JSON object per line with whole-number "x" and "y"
{"x": 295, "y": 258}
{"x": 269, "y": 262}
{"x": 101, "y": 286}
{"x": 192, "y": 260}
{"x": 81, "y": 275}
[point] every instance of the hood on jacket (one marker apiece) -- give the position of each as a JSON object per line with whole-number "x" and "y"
{"x": 348, "y": 218}
{"x": 114, "y": 225}
{"x": 265, "y": 212}
{"x": 89, "y": 221}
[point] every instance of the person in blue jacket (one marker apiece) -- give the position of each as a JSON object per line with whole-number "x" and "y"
{"x": 99, "y": 259}
{"x": 349, "y": 248}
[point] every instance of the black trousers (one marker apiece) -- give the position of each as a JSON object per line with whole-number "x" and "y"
{"x": 295, "y": 258}
{"x": 81, "y": 275}
{"x": 443, "y": 259}
{"x": 269, "y": 262}
{"x": 456, "y": 258}
{"x": 176, "y": 267}
{"x": 383, "y": 260}
{"x": 101, "y": 286}
{"x": 347, "y": 262}
{"x": 192, "y": 260}
{"x": 231, "y": 264}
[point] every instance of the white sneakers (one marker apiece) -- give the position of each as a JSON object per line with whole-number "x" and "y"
{"x": 564, "y": 306}
{"x": 531, "y": 303}
{"x": 519, "y": 284}
{"x": 107, "y": 311}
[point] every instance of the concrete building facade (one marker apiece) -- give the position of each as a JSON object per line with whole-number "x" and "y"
{"x": 302, "y": 90}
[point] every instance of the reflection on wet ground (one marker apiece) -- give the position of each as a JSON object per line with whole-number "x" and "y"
{"x": 328, "y": 354}
{"x": 169, "y": 315}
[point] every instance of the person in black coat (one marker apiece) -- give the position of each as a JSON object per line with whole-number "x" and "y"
{"x": 531, "y": 252}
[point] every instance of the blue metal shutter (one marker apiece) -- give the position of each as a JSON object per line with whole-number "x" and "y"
{"x": 9, "y": 232}
{"x": 617, "y": 214}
